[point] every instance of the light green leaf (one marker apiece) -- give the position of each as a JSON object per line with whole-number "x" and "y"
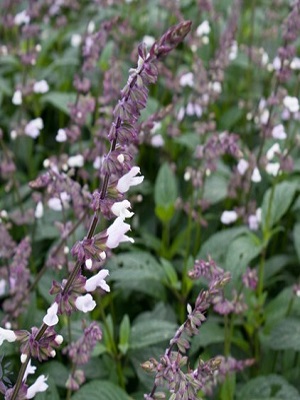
{"x": 215, "y": 188}
{"x": 124, "y": 334}
{"x": 138, "y": 271}
{"x": 285, "y": 335}
{"x": 276, "y": 202}
{"x": 268, "y": 387}
{"x": 240, "y": 252}
{"x": 216, "y": 246}
{"x": 190, "y": 140}
{"x": 165, "y": 192}
{"x": 100, "y": 390}
{"x": 151, "y": 332}
{"x": 60, "y": 100}
{"x": 170, "y": 273}
{"x": 210, "y": 333}
{"x": 296, "y": 237}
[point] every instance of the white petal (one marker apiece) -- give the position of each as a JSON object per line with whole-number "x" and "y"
{"x": 51, "y": 317}
{"x": 40, "y": 385}
{"x": 7, "y": 334}
{"x": 228, "y": 217}
{"x": 256, "y": 177}
{"x": 85, "y": 303}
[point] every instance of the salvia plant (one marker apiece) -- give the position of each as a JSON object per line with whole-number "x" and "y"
{"x": 149, "y": 235}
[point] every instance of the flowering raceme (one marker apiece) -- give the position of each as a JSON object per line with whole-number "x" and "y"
{"x": 118, "y": 175}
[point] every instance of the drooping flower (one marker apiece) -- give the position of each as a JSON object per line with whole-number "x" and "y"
{"x": 98, "y": 281}
{"x": 34, "y": 127}
{"x": 76, "y": 161}
{"x": 7, "y": 334}
{"x": 116, "y": 233}
{"x": 120, "y": 209}
{"x": 291, "y": 103}
{"x": 203, "y": 29}
{"x": 228, "y": 217}
{"x": 61, "y": 136}
{"x": 278, "y": 132}
{"x": 85, "y": 303}
{"x": 41, "y": 86}
{"x": 256, "y": 177}
{"x": 39, "y": 386}
{"x": 51, "y": 317}
{"x": 242, "y": 166}
{"x": 17, "y": 98}
{"x": 130, "y": 179}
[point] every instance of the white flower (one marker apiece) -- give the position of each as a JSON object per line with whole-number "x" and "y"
{"x": 39, "y": 385}
{"x": 7, "y": 334}
{"x": 295, "y": 64}
{"x": 76, "y": 161}
{"x": 121, "y": 158}
{"x": 85, "y": 303}
{"x": 129, "y": 179}
{"x": 59, "y": 339}
{"x": 2, "y": 286}
{"x": 157, "y": 141}
{"x": 41, "y": 86}
{"x": 272, "y": 150}
{"x": 277, "y": 63}
{"x": 98, "y": 281}
{"x": 17, "y": 98}
{"x": 291, "y": 103}
{"x": 98, "y": 162}
{"x": 76, "y": 40}
{"x": 273, "y": 168}
{"x": 256, "y": 177}
{"x": 34, "y": 127}
{"x": 242, "y": 166}
{"x": 148, "y": 40}
{"x": 91, "y": 27}
{"x": 23, "y": 358}
{"x": 233, "y": 51}
{"x": 187, "y": 79}
{"x": 264, "y": 117}
{"x": 51, "y": 317}
{"x": 180, "y": 114}
{"x": 120, "y": 209}
{"x": 193, "y": 109}
{"x": 116, "y": 233}
{"x": 61, "y": 136}
{"x": 89, "y": 263}
{"x": 228, "y": 217}
{"x": 22, "y": 18}
{"x": 57, "y": 204}
{"x": 254, "y": 220}
{"x": 156, "y": 127}
{"x": 39, "y": 210}
{"x": 278, "y": 132}
{"x": 215, "y": 86}
{"x": 203, "y": 29}
{"x": 30, "y": 369}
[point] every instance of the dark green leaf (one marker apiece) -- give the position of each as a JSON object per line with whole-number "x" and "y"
{"x": 151, "y": 332}
{"x": 276, "y": 202}
{"x": 60, "y": 100}
{"x": 268, "y": 387}
{"x": 124, "y": 334}
{"x": 285, "y": 335}
{"x": 165, "y": 191}
{"x": 100, "y": 390}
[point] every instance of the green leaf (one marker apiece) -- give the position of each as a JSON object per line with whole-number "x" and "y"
{"x": 215, "y": 188}
{"x": 60, "y": 100}
{"x": 58, "y": 372}
{"x": 170, "y": 272}
{"x": 138, "y": 271}
{"x": 285, "y": 335}
{"x": 105, "y": 58}
{"x": 268, "y": 387}
{"x": 190, "y": 140}
{"x": 228, "y": 387}
{"x": 100, "y": 390}
{"x": 240, "y": 252}
{"x": 276, "y": 202}
{"x": 296, "y": 237}
{"x": 151, "y": 332}
{"x": 124, "y": 334}
{"x": 216, "y": 246}
{"x": 210, "y": 333}
{"x": 165, "y": 192}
